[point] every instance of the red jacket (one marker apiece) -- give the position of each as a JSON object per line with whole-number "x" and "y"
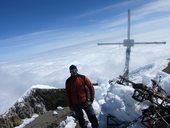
{"x": 75, "y": 88}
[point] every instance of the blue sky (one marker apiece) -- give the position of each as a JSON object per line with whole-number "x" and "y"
{"x": 23, "y": 17}
{"x": 29, "y": 27}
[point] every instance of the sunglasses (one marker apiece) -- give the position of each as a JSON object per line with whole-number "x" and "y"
{"x": 73, "y": 71}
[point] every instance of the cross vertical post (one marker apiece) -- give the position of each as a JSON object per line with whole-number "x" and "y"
{"x": 128, "y": 25}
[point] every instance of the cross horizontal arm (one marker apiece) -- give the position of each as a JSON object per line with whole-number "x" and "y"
{"x": 109, "y": 43}
{"x": 150, "y": 43}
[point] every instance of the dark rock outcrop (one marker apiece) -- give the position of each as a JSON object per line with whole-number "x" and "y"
{"x": 167, "y": 69}
{"x": 37, "y": 101}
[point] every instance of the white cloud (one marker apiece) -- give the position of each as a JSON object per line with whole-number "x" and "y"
{"x": 154, "y": 7}
{"x": 107, "y": 8}
{"x": 104, "y": 62}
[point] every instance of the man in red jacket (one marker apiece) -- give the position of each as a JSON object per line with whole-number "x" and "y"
{"x": 80, "y": 94}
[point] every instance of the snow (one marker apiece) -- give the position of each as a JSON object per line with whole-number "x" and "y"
{"x": 38, "y": 86}
{"x": 42, "y": 87}
{"x": 55, "y": 113}
{"x": 68, "y": 123}
{"x": 117, "y": 99}
{"x": 60, "y": 108}
{"x": 97, "y": 107}
{"x": 27, "y": 121}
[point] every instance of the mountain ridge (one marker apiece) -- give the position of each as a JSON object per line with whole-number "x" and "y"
{"x": 38, "y": 101}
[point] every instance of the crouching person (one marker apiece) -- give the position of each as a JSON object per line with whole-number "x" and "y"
{"x": 80, "y": 94}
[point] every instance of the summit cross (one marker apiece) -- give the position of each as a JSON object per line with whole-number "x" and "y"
{"x": 128, "y": 43}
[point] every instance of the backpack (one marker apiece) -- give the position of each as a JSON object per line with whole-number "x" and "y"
{"x": 85, "y": 88}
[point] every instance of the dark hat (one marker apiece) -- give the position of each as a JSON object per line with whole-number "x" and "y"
{"x": 72, "y": 67}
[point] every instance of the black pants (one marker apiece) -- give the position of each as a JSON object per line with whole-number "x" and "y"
{"x": 90, "y": 113}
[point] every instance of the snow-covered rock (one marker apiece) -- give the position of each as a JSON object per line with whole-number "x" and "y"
{"x": 37, "y": 100}
{"x": 68, "y": 123}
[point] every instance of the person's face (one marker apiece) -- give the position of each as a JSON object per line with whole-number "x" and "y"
{"x": 73, "y": 72}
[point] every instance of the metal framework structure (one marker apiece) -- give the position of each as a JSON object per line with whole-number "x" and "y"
{"x": 157, "y": 115}
{"x": 128, "y": 43}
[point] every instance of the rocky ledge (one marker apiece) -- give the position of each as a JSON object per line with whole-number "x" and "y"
{"x": 37, "y": 101}
{"x": 167, "y": 69}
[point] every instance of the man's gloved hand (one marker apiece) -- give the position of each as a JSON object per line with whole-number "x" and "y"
{"x": 88, "y": 102}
